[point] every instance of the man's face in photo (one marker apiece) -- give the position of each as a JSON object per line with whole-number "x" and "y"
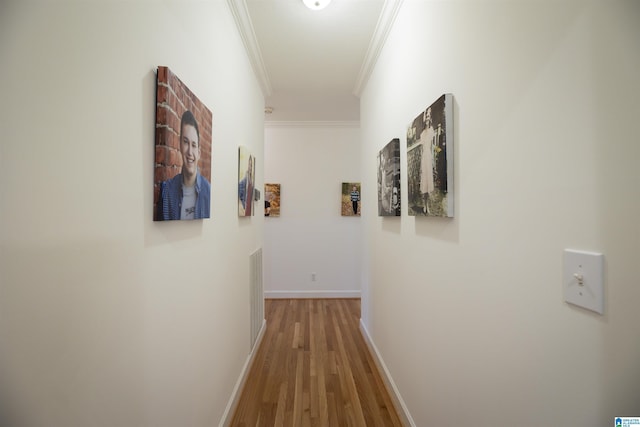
{"x": 190, "y": 149}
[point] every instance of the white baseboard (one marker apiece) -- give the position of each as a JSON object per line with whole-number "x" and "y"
{"x": 237, "y": 390}
{"x": 311, "y": 294}
{"x": 399, "y": 404}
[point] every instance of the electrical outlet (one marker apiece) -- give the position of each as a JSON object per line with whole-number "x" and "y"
{"x": 313, "y": 277}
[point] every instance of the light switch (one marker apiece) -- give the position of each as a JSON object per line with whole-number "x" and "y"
{"x": 583, "y": 279}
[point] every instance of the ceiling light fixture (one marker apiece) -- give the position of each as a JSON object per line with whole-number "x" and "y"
{"x": 316, "y": 4}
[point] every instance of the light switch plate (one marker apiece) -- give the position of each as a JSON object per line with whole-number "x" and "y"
{"x": 583, "y": 279}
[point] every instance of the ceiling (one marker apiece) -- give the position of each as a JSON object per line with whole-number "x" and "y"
{"x": 312, "y": 65}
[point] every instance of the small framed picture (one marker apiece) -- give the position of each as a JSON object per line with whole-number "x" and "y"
{"x": 351, "y": 199}
{"x": 272, "y": 200}
{"x": 246, "y": 182}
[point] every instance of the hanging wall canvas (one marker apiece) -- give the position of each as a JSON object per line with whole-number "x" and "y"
{"x": 182, "y": 177}
{"x": 272, "y": 200}
{"x": 351, "y": 199}
{"x": 246, "y": 180}
{"x": 389, "y": 179}
{"x": 430, "y": 160}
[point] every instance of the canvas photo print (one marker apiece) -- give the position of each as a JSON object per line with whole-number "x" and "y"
{"x": 272, "y": 200}
{"x": 389, "y": 179}
{"x": 246, "y": 182}
{"x": 430, "y": 160}
{"x": 182, "y": 176}
{"x": 350, "y": 199}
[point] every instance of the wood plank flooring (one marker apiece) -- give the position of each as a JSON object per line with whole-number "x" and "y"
{"x": 313, "y": 369}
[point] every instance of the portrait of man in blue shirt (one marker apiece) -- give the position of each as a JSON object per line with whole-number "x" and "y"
{"x": 187, "y": 195}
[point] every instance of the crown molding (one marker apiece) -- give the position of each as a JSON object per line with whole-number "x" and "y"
{"x": 247, "y": 34}
{"x": 385, "y": 22}
{"x": 311, "y": 124}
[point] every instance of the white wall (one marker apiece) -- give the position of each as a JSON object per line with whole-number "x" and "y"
{"x": 468, "y": 313}
{"x": 107, "y": 318}
{"x": 311, "y": 161}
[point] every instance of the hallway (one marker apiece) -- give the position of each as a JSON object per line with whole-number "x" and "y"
{"x": 313, "y": 368}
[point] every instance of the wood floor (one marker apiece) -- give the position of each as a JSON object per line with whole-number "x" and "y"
{"x": 313, "y": 368}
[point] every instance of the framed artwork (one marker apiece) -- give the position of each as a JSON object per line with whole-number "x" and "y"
{"x": 430, "y": 160}
{"x": 351, "y": 199}
{"x": 182, "y": 175}
{"x": 389, "y": 179}
{"x": 246, "y": 180}
{"x": 272, "y": 200}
